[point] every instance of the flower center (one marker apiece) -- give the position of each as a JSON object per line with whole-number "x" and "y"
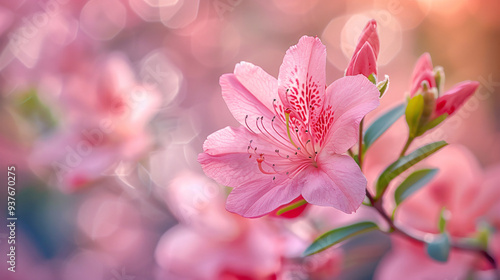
{"x": 292, "y": 152}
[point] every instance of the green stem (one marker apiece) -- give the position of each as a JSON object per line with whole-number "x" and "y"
{"x": 350, "y": 153}
{"x": 407, "y": 145}
{"x": 377, "y": 204}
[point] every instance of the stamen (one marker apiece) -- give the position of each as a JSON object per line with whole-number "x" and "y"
{"x": 287, "y": 117}
{"x": 259, "y": 163}
{"x": 270, "y": 136}
{"x": 246, "y": 117}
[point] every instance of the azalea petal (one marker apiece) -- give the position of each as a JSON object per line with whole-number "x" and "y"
{"x": 337, "y": 182}
{"x": 302, "y": 79}
{"x": 454, "y": 98}
{"x": 242, "y": 103}
{"x": 226, "y": 157}
{"x": 261, "y": 196}
{"x": 369, "y": 35}
{"x": 424, "y": 63}
{"x": 363, "y": 62}
{"x": 230, "y": 159}
{"x": 350, "y": 99}
{"x": 262, "y": 85}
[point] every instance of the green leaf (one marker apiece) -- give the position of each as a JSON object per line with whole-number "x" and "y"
{"x": 338, "y": 235}
{"x": 413, "y": 183}
{"x": 34, "y": 111}
{"x": 379, "y": 126}
{"x": 372, "y": 78}
{"x": 291, "y": 207}
{"x": 405, "y": 162}
{"x": 439, "y": 248}
{"x": 413, "y": 113}
{"x": 433, "y": 123}
{"x": 383, "y": 86}
{"x": 443, "y": 218}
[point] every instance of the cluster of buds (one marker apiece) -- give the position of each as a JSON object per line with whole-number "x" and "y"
{"x": 429, "y": 105}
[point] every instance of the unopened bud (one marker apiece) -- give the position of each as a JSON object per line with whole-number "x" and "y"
{"x": 439, "y": 78}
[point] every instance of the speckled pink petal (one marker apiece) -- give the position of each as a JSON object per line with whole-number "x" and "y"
{"x": 350, "y": 99}
{"x": 302, "y": 79}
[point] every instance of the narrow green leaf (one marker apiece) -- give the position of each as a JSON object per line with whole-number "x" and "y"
{"x": 379, "y": 126}
{"x": 430, "y": 125}
{"x": 291, "y": 207}
{"x": 413, "y": 113}
{"x": 405, "y": 162}
{"x": 439, "y": 248}
{"x": 413, "y": 183}
{"x": 383, "y": 86}
{"x": 338, "y": 235}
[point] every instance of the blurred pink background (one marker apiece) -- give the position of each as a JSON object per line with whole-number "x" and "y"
{"x": 106, "y": 104}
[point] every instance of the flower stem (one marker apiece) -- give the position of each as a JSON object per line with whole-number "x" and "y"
{"x": 360, "y": 141}
{"x": 350, "y": 153}
{"x": 407, "y": 145}
{"x": 377, "y": 205}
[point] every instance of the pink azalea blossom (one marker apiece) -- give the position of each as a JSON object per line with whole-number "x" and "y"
{"x": 106, "y": 122}
{"x": 364, "y": 59}
{"x": 447, "y": 102}
{"x": 211, "y": 243}
{"x": 294, "y": 133}
{"x": 467, "y": 193}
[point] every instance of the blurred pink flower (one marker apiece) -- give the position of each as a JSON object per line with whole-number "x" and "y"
{"x": 447, "y": 102}
{"x": 467, "y": 193}
{"x": 293, "y": 136}
{"x": 222, "y": 245}
{"x": 364, "y": 59}
{"x": 106, "y": 118}
{"x": 211, "y": 243}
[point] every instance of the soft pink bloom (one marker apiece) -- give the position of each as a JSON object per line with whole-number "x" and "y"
{"x": 463, "y": 189}
{"x": 364, "y": 59}
{"x": 106, "y": 116}
{"x": 210, "y": 243}
{"x": 447, "y": 102}
{"x": 294, "y": 135}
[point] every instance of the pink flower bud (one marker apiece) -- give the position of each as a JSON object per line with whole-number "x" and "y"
{"x": 364, "y": 59}
{"x": 423, "y": 71}
{"x": 455, "y": 97}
